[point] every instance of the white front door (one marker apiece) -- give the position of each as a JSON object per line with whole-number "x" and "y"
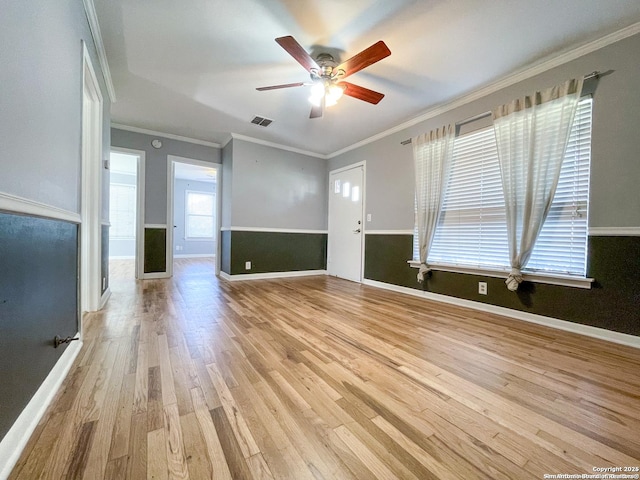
{"x": 346, "y": 189}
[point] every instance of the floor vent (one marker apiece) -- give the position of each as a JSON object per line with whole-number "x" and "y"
{"x": 263, "y": 122}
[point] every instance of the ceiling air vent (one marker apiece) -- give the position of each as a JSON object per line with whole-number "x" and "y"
{"x": 263, "y": 122}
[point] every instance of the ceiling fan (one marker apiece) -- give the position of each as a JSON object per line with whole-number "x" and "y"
{"x": 327, "y": 77}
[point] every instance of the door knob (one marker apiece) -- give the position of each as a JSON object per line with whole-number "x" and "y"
{"x": 356, "y": 231}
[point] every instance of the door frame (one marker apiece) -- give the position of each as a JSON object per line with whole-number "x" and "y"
{"x": 91, "y": 189}
{"x": 171, "y": 173}
{"x": 140, "y": 183}
{"x": 363, "y": 165}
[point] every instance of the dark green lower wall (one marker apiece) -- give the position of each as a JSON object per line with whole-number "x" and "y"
{"x": 272, "y": 252}
{"x": 38, "y": 300}
{"x": 225, "y": 251}
{"x": 612, "y": 303}
{"x": 155, "y": 250}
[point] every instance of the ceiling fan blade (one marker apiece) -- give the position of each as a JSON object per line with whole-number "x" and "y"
{"x": 361, "y": 93}
{"x": 317, "y": 111}
{"x": 296, "y": 51}
{"x": 368, "y": 56}
{"x": 275, "y": 87}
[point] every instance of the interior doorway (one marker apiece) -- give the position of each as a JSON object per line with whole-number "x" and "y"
{"x": 126, "y": 213}
{"x": 193, "y": 213}
{"x": 91, "y": 191}
{"x": 346, "y": 228}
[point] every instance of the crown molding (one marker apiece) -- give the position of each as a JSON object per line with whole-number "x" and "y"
{"x": 278, "y": 146}
{"x": 94, "y": 26}
{"x": 226, "y": 142}
{"x": 145, "y": 131}
{"x": 524, "y": 74}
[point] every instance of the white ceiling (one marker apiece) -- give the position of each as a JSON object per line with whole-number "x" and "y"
{"x": 190, "y": 67}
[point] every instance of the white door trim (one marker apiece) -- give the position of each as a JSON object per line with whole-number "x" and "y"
{"x": 362, "y": 164}
{"x": 171, "y": 171}
{"x": 140, "y": 183}
{"x": 91, "y": 189}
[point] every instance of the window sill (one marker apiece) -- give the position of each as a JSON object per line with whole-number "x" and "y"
{"x": 563, "y": 280}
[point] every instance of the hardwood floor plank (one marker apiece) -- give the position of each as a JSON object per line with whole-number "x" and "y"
{"x": 81, "y": 450}
{"x": 122, "y": 428}
{"x": 99, "y": 453}
{"x": 166, "y": 372}
{"x": 157, "y": 466}
{"x": 142, "y": 380}
{"x": 137, "y": 464}
{"x": 195, "y": 449}
{"x": 378, "y": 468}
{"x": 215, "y": 453}
{"x": 176, "y": 460}
{"x": 116, "y": 469}
{"x": 237, "y": 423}
{"x": 232, "y": 449}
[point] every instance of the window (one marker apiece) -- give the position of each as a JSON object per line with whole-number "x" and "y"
{"x": 472, "y": 230}
{"x": 122, "y": 211}
{"x": 199, "y": 215}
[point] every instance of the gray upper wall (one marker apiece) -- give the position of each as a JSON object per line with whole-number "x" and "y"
{"x": 41, "y": 100}
{"x": 615, "y": 164}
{"x": 155, "y": 204}
{"x": 225, "y": 184}
{"x": 274, "y": 188}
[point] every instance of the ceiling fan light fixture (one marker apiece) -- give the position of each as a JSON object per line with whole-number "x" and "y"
{"x": 333, "y": 94}
{"x": 317, "y": 92}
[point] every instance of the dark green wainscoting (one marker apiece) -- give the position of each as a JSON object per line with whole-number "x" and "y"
{"x": 272, "y": 252}
{"x": 225, "y": 251}
{"x": 38, "y": 300}
{"x": 155, "y": 250}
{"x": 613, "y": 302}
{"x": 385, "y": 259}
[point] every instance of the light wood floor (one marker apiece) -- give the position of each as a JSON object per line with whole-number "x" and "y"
{"x": 317, "y": 377}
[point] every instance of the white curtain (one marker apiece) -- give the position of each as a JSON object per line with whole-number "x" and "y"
{"x": 432, "y": 154}
{"x": 532, "y": 134}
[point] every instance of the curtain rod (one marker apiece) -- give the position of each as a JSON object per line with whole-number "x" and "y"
{"x": 595, "y": 74}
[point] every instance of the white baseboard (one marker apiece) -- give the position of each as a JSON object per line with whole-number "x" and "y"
{"x": 105, "y": 298}
{"x": 152, "y": 276}
{"x": 263, "y": 276}
{"x": 587, "y": 330}
{"x": 196, "y": 255}
{"x": 18, "y": 435}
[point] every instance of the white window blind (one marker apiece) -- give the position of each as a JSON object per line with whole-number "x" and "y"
{"x": 199, "y": 215}
{"x": 472, "y": 229}
{"x": 122, "y": 211}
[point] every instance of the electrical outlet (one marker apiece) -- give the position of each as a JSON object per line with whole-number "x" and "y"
{"x": 482, "y": 288}
{"x": 247, "y": 265}
{"x": 368, "y": 217}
